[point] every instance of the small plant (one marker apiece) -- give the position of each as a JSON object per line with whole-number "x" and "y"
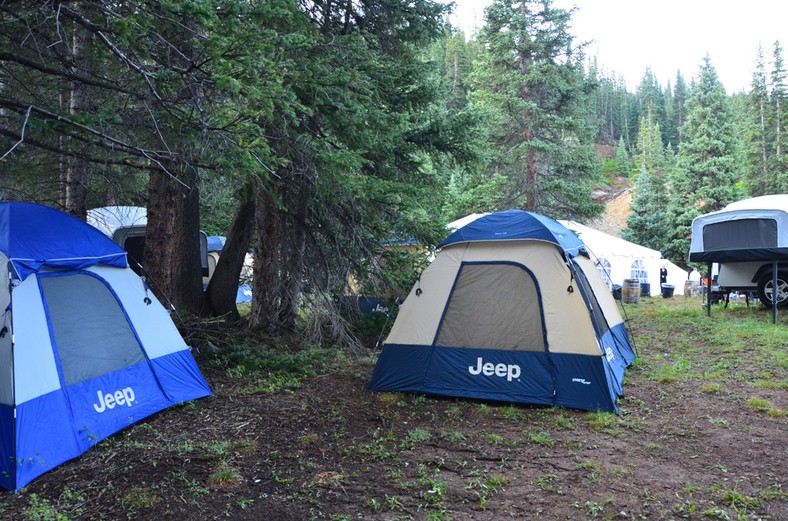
{"x": 495, "y": 438}
{"x": 453, "y": 437}
{"x": 564, "y": 422}
{"x": 224, "y": 477}
{"x": 712, "y": 388}
{"x": 593, "y": 508}
{"x": 542, "y": 438}
{"x": 139, "y": 497}
{"x": 309, "y": 439}
{"x": 416, "y": 436}
{"x": 719, "y": 422}
{"x": 717, "y": 513}
{"x": 759, "y": 404}
{"x": 547, "y": 482}
{"x": 41, "y": 509}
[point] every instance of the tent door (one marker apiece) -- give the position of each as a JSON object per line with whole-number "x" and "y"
{"x": 494, "y": 305}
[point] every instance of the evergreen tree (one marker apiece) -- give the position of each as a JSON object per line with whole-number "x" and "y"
{"x": 756, "y": 140}
{"x": 647, "y": 223}
{"x": 651, "y": 99}
{"x": 777, "y": 122}
{"x": 675, "y": 111}
{"x": 531, "y": 80}
{"x": 623, "y": 165}
{"x": 707, "y": 173}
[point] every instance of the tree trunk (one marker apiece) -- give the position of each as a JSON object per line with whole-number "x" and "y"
{"x": 223, "y": 287}
{"x": 172, "y": 242}
{"x": 74, "y": 192}
{"x": 267, "y": 272}
{"x": 294, "y": 279}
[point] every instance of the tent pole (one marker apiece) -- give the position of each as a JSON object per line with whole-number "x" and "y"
{"x": 774, "y": 292}
{"x": 708, "y": 289}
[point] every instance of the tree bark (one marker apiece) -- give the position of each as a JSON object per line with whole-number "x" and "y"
{"x": 223, "y": 287}
{"x": 293, "y": 283}
{"x": 267, "y": 272}
{"x": 172, "y": 242}
{"x": 74, "y": 192}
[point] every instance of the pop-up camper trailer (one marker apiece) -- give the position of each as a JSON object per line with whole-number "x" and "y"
{"x": 85, "y": 348}
{"x": 511, "y": 309}
{"x": 749, "y": 240}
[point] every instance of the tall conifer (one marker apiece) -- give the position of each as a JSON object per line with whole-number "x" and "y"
{"x": 707, "y": 173}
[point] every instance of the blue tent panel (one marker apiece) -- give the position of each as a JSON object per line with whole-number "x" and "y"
{"x": 34, "y": 237}
{"x": 568, "y": 380}
{"x": 582, "y": 383}
{"x": 517, "y": 224}
{"x": 216, "y": 242}
{"x": 95, "y": 409}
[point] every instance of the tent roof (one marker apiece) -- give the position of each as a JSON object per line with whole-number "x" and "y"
{"x": 764, "y": 202}
{"x": 604, "y": 245}
{"x": 33, "y": 237}
{"x": 216, "y": 242}
{"x": 516, "y": 225}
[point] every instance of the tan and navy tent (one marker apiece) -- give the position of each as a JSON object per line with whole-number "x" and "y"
{"x": 511, "y": 309}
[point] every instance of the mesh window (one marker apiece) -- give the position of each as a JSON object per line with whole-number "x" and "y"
{"x": 597, "y": 316}
{"x": 740, "y": 234}
{"x": 91, "y": 332}
{"x": 493, "y": 306}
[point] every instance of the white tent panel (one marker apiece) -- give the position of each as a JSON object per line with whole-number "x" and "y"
{"x": 622, "y": 259}
{"x": 34, "y": 360}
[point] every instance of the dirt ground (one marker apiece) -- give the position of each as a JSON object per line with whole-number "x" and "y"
{"x": 690, "y": 443}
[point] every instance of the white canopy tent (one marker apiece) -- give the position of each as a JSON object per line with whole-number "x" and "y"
{"x": 622, "y": 259}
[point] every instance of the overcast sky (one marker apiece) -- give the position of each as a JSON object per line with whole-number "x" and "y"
{"x": 669, "y": 35}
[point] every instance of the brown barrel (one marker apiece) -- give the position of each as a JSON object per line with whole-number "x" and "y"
{"x": 630, "y": 293}
{"x": 688, "y": 288}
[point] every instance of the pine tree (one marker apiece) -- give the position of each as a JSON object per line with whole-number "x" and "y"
{"x": 647, "y": 223}
{"x": 756, "y": 141}
{"x": 623, "y": 165}
{"x": 778, "y": 98}
{"x": 532, "y": 81}
{"x": 676, "y": 111}
{"x": 707, "y": 173}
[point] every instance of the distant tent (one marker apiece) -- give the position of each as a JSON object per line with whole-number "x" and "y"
{"x": 86, "y": 349}
{"x": 511, "y": 309}
{"x": 618, "y": 259}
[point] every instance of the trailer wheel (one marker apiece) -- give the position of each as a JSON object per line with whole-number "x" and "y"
{"x": 766, "y": 289}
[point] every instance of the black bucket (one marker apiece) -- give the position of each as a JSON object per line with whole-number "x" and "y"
{"x": 667, "y": 290}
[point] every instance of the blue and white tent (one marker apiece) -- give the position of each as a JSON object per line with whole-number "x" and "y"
{"x": 85, "y": 348}
{"x": 511, "y": 309}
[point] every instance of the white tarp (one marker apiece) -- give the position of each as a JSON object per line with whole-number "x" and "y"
{"x": 622, "y": 259}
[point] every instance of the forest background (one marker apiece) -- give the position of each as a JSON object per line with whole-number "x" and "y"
{"x": 319, "y": 133}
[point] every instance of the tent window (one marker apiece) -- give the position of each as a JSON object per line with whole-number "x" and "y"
{"x": 604, "y": 268}
{"x": 740, "y": 234}
{"x": 597, "y": 316}
{"x": 91, "y": 332}
{"x": 639, "y": 271}
{"x": 493, "y": 306}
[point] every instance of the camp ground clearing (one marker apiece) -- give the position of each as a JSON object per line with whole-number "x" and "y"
{"x": 289, "y": 434}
